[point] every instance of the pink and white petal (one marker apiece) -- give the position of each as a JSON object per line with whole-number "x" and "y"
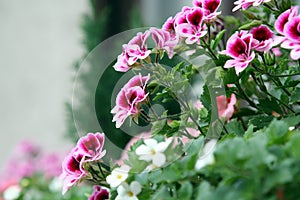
{"x": 240, "y": 66}
{"x": 295, "y": 53}
{"x": 230, "y": 63}
{"x": 184, "y": 30}
{"x": 287, "y": 44}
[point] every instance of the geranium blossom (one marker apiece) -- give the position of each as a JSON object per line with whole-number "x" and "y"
{"x": 262, "y": 38}
{"x": 284, "y": 17}
{"x": 129, "y": 99}
{"x": 226, "y": 106}
{"x": 189, "y": 24}
{"x": 91, "y": 146}
{"x": 245, "y": 4}
{"x": 153, "y": 151}
{"x": 129, "y": 192}
{"x": 239, "y": 48}
{"x": 292, "y": 33}
{"x": 118, "y": 176}
{"x": 99, "y": 193}
{"x": 88, "y": 148}
{"x": 288, "y": 24}
{"x": 164, "y": 40}
{"x": 72, "y": 169}
{"x": 134, "y": 50}
{"x": 169, "y": 26}
{"x": 210, "y": 8}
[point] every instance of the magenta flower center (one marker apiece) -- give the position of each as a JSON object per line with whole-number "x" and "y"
{"x": 239, "y": 47}
{"x": 133, "y": 96}
{"x": 73, "y": 165}
{"x": 195, "y": 18}
{"x": 262, "y": 33}
{"x": 212, "y": 5}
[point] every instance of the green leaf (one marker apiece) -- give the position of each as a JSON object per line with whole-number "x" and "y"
{"x": 235, "y": 127}
{"x": 260, "y": 121}
{"x": 277, "y": 132}
{"x": 158, "y": 125}
{"x": 251, "y": 25}
{"x": 185, "y": 191}
{"x": 292, "y": 120}
{"x": 219, "y": 36}
{"x": 295, "y": 96}
{"x": 293, "y": 147}
{"x": 269, "y": 106}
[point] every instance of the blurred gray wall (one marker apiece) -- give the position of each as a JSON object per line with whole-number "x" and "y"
{"x": 39, "y": 40}
{"x": 155, "y": 12}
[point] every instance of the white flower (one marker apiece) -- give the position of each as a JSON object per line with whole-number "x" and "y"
{"x": 56, "y": 184}
{"x": 118, "y": 176}
{"x": 291, "y": 128}
{"x": 153, "y": 151}
{"x": 206, "y": 157}
{"x": 11, "y": 193}
{"x": 129, "y": 192}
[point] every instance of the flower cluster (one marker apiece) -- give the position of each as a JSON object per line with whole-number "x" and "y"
{"x": 130, "y": 98}
{"x": 28, "y": 160}
{"x": 181, "y": 154}
{"x": 288, "y": 25}
{"x": 244, "y": 4}
{"x": 240, "y": 46}
{"x": 89, "y": 148}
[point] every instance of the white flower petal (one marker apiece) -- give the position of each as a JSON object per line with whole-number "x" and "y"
{"x": 206, "y": 156}
{"x": 162, "y": 146}
{"x": 123, "y": 189}
{"x": 143, "y": 149}
{"x": 150, "y": 142}
{"x": 146, "y": 157}
{"x": 135, "y": 187}
{"x": 159, "y": 159}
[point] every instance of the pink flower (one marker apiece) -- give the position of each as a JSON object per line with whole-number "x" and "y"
{"x": 189, "y": 24}
{"x": 262, "y": 38}
{"x": 284, "y": 17}
{"x": 288, "y": 24}
{"x": 295, "y": 52}
{"x": 292, "y": 29}
{"x": 129, "y": 99}
{"x": 194, "y": 132}
{"x": 170, "y": 26}
{"x": 226, "y": 106}
{"x": 91, "y": 146}
{"x": 210, "y": 8}
{"x": 164, "y": 41}
{"x": 50, "y": 164}
{"x": 244, "y": 4}
{"x": 72, "y": 169}
{"x": 134, "y": 50}
{"x": 29, "y": 149}
{"x": 99, "y": 193}
{"x": 276, "y": 51}
{"x": 239, "y": 48}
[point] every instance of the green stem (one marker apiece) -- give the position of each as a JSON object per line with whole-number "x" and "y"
{"x": 245, "y": 96}
{"x": 209, "y": 49}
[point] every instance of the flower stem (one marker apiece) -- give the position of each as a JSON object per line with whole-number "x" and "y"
{"x": 209, "y": 49}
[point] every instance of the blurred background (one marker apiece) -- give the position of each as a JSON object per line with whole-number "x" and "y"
{"x": 42, "y": 45}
